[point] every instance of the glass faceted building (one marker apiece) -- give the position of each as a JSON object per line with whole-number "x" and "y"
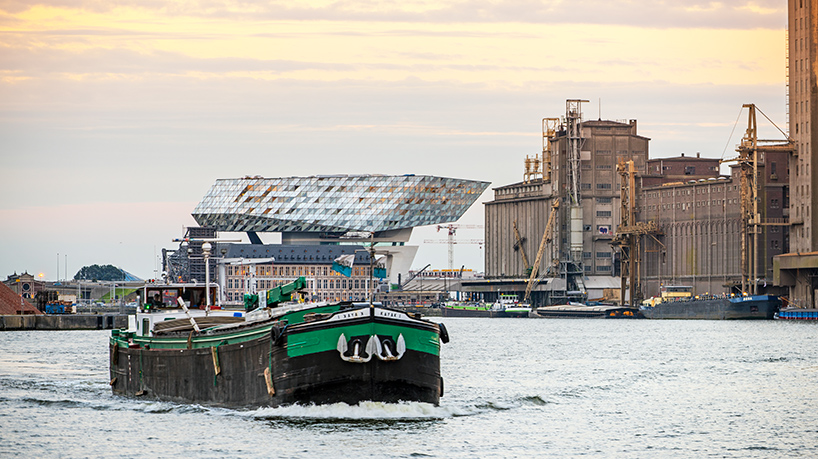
{"x": 335, "y": 204}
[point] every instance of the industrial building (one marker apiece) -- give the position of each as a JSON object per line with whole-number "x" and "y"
{"x": 594, "y": 218}
{"x": 698, "y": 216}
{"x": 575, "y": 179}
{"x": 798, "y": 270}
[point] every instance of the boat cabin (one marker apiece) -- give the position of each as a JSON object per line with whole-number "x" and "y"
{"x": 155, "y": 297}
{"x": 676, "y": 291}
{"x": 160, "y": 303}
{"x": 669, "y": 293}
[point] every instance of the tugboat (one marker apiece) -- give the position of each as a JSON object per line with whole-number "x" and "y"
{"x": 273, "y": 353}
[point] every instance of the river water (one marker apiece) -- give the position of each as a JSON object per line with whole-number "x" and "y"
{"x": 514, "y": 388}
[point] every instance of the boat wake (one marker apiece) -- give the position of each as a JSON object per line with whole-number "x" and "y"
{"x": 363, "y": 411}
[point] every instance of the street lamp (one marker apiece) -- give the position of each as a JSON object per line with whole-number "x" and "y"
{"x": 206, "y": 247}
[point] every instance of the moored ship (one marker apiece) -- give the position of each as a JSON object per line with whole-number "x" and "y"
{"x": 585, "y": 311}
{"x": 793, "y": 313}
{"x": 677, "y": 302}
{"x": 457, "y": 309}
{"x": 277, "y": 355}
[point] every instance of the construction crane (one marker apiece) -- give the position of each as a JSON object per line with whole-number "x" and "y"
{"x": 451, "y": 229}
{"x": 518, "y": 246}
{"x": 546, "y": 238}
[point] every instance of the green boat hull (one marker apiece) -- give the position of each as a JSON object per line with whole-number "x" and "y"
{"x": 296, "y": 359}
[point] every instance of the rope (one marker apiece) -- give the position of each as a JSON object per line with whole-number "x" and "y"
{"x": 731, "y": 132}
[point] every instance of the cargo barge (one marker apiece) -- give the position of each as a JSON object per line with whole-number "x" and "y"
{"x": 715, "y": 308}
{"x": 585, "y": 311}
{"x": 454, "y": 309}
{"x": 797, "y": 314}
{"x": 507, "y": 305}
{"x": 276, "y": 354}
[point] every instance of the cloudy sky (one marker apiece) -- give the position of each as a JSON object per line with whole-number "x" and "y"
{"x": 117, "y": 116}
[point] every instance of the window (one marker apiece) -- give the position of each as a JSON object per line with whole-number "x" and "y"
{"x": 585, "y": 186}
{"x": 586, "y": 254}
{"x": 603, "y": 268}
{"x": 603, "y": 200}
{"x": 603, "y": 254}
{"x": 690, "y": 170}
{"x": 774, "y": 204}
{"x": 603, "y": 213}
{"x": 603, "y": 186}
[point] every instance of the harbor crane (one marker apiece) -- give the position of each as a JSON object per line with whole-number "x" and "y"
{"x": 546, "y": 238}
{"x": 629, "y": 234}
{"x": 451, "y": 229}
{"x": 751, "y": 215}
{"x": 518, "y": 246}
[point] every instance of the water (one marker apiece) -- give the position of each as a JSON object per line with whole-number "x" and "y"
{"x": 514, "y": 388}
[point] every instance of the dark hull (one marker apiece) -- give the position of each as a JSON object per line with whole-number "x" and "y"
{"x": 189, "y": 375}
{"x": 460, "y": 312}
{"x": 756, "y": 307}
{"x": 596, "y": 312}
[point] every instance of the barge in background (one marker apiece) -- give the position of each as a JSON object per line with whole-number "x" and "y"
{"x": 507, "y": 305}
{"x": 677, "y": 302}
{"x": 793, "y": 313}
{"x": 456, "y": 309}
{"x": 275, "y": 355}
{"x": 584, "y": 311}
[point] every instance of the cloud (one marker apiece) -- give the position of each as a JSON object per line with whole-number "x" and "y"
{"x": 739, "y": 14}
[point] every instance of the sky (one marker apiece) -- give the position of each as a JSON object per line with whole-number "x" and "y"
{"x": 116, "y": 117}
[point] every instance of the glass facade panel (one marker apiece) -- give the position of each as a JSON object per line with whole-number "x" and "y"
{"x": 335, "y": 203}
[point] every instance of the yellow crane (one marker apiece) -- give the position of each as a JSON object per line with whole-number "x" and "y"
{"x": 629, "y": 235}
{"x": 518, "y": 246}
{"x": 546, "y": 238}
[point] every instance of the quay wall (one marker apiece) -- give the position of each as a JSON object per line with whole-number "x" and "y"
{"x": 63, "y": 322}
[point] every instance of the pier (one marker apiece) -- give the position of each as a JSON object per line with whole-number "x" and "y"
{"x": 63, "y": 322}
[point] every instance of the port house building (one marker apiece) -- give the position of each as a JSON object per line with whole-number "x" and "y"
{"x": 320, "y": 218}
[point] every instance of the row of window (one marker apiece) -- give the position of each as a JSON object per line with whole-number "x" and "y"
{"x": 266, "y": 284}
{"x": 598, "y": 254}
{"x": 688, "y": 205}
{"x": 294, "y": 271}
{"x": 599, "y": 186}
{"x": 598, "y": 268}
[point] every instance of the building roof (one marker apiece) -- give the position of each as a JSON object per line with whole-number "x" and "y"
{"x": 10, "y": 302}
{"x": 297, "y": 254}
{"x": 335, "y": 203}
